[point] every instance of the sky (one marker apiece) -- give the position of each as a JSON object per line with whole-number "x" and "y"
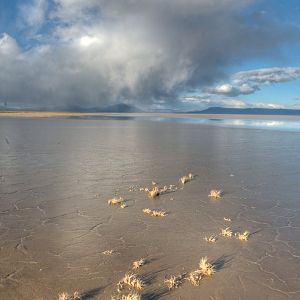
{"x": 153, "y": 54}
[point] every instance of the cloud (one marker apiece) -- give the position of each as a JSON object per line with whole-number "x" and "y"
{"x": 100, "y": 52}
{"x": 248, "y": 82}
{"x": 267, "y": 75}
{"x": 209, "y": 101}
{"x": 33, "y": 15}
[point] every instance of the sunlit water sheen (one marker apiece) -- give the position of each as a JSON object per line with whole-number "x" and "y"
{"x": 56, "y": 176}
{"x": 241, "y": 123}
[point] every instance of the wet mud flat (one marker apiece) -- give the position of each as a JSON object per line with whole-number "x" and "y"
{"x": 57, "y": 175}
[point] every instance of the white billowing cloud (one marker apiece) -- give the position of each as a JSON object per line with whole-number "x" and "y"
{"x": 209, "y": 101}
{"x": 8, "y": 46}
{"x": 100, "y": 52}
{"x": 34, "y": 14}
{"x": 248, "y": 82}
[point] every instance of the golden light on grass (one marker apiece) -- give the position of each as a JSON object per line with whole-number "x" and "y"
{"x": 66, "y": 296}
{"x": 215, "y": 194}
{"x": 211, "y": 239}
{"x": 130, "y": 280}
{"x": 227, "y": 219}
{"x": 139, "y": 263}
{"x": 227, "y": 232}
{"x": 186, "y": 178}
{"x": 242, "y": 236}
{"x": 108, "y": 252}
{"x": 117, "y": 201}
{"x": 195, "y": 277}
{"x": 174, "y": 281}
{"x": 206, "y": 268}
{"x": 130, "y": 296}
{"x": 154, "y": 192}
{"x": 154, "y": 213}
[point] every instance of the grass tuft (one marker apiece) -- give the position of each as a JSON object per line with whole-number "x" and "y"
{"x": 195, "y": 277}
{"x": 215, "y": 194}
{"x": 66, "y": 296}
{"x": 211, "y": 239}
{"x": 108, "y": 252}
{"x": 154, "y": 213}
{"x": 242, "y": 236}
{"x": 206, "y": 268}
{"x": 117, "y": 201}
{"x": 139, "y": 263}
{"x": 130, "y": 296}
{"x": 154, "y": 192}
{"x": 227, "y": 232}
{"x": 174, "y": 281}
{"x": 186, "y": 178}
{"x": 131, "y": 280}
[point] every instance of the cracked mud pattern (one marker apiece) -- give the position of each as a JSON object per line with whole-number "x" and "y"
{"x": 56, "y": 176}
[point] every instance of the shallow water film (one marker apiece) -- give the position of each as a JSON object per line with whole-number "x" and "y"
{"x": 58, "y": 232}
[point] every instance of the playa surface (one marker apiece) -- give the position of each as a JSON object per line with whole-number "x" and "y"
{"x": 56, "y": 176}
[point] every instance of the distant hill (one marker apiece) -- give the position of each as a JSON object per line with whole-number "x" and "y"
{"x": 248, "y": 111}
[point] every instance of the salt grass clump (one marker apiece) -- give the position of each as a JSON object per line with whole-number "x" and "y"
{"x": 185, "y": 179}
{"x": 154, "y": 213}
{"x": 117, "y": 201}
{"x": 108, "y": 252}
{"x": 215, "y": 194}
{"x": 174, "y": 282}
{"x": 195, "y": 277}
{"x": 227, "y": 219}
{"x": 227, "y": 232}
{"x": 211, "y": 239}
{"x": 206, "y": 268}
{"x": 66, "y": 296}
{"x": 131, "y": 280}
{"x": 130, "y": 296}
{"x": 139, "y": 263}
{"x": 154, "y": 192}
{"x": 242, "y": 236}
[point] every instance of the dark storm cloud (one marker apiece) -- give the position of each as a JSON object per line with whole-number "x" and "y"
{"x": 103, "y": 52}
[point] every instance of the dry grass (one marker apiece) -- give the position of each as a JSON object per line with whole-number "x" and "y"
{"x": 139, "y": 263}
{"x": 131, "y": 280}
{"x": 215, "y": 194}
{"x": 195, "y": 277}
{"x": 154, "y": 213}
{"x": 211, "y": 239}
{"x": 66, "y": 296}
{"x": 108, "y": 252}
{"x": 117, "y": 201}
{"x": 130, "y": 296}
{"x": 186, "y": 178}
{"x": 227, "y": 232}
{"x": 227, "y": 219}
{"x": 174, "y": 281}
{"x": 154, "y": 192}
{"x": 206, "y": 268}
{"x": 242, "y": 236}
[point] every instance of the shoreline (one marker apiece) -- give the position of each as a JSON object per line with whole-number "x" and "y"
{"x": 33, "y": 114}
